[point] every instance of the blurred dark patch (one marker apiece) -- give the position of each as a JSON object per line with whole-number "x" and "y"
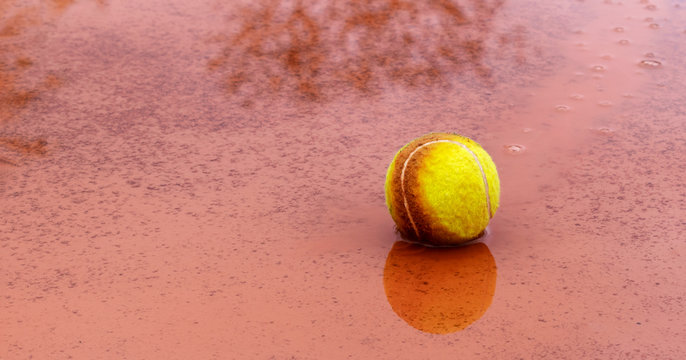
{"x": 18, "y": 89}
{"x": 26, "y": 146}
{"x": 317, "y": 49}
{"x": 62, "y": 4}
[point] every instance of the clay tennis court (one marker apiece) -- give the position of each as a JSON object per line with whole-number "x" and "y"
{"x": 204, "y": 180}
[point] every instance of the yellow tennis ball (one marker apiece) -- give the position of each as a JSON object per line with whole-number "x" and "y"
{"x": 442, "y": 189}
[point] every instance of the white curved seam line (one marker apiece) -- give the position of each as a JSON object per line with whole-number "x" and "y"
{"x": 402, "y": 179}
{"x": 483, "y": 175}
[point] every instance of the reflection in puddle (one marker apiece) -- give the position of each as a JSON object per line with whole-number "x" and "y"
{"x": 311, "y": 50}
{"x": 439, "y": 290}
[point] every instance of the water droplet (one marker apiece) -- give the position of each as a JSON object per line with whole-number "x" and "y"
{"x": 563, "y": 108}
{"x": 514, "y": 149}
{"x": 598, "y": 68}
{"x": 624, "y": 42}
{"x": 651, "y": 7}
{"x": 576, "y": 96}
{"x": 605, "y": 131}
{"x": 607, "y": 57}
{"x": 605, "y": 103}
{"x": 649, "y": 55}
{"x": 650, "y": 64}
{"x": 618, "y": 29}
{"x": 648, "y": 19}
{"x": 654, "y": 26}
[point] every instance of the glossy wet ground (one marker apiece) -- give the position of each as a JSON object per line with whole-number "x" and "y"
{"x": 205, "y": 180}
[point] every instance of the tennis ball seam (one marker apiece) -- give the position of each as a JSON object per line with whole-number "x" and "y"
{"x": 402, "y": 179}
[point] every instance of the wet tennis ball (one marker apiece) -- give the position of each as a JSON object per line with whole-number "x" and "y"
{"x": 442, "y": 189}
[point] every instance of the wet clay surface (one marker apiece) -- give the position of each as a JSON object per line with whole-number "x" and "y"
{"x": 205, "y": 180}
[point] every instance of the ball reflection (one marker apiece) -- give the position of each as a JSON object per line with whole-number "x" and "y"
{"x": 439, "y": 290}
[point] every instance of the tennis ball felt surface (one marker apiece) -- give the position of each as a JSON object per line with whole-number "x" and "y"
{"x": 442, "y": 189}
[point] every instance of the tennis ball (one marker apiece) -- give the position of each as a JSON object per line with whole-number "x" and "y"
{"x": 442, "y": 189}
